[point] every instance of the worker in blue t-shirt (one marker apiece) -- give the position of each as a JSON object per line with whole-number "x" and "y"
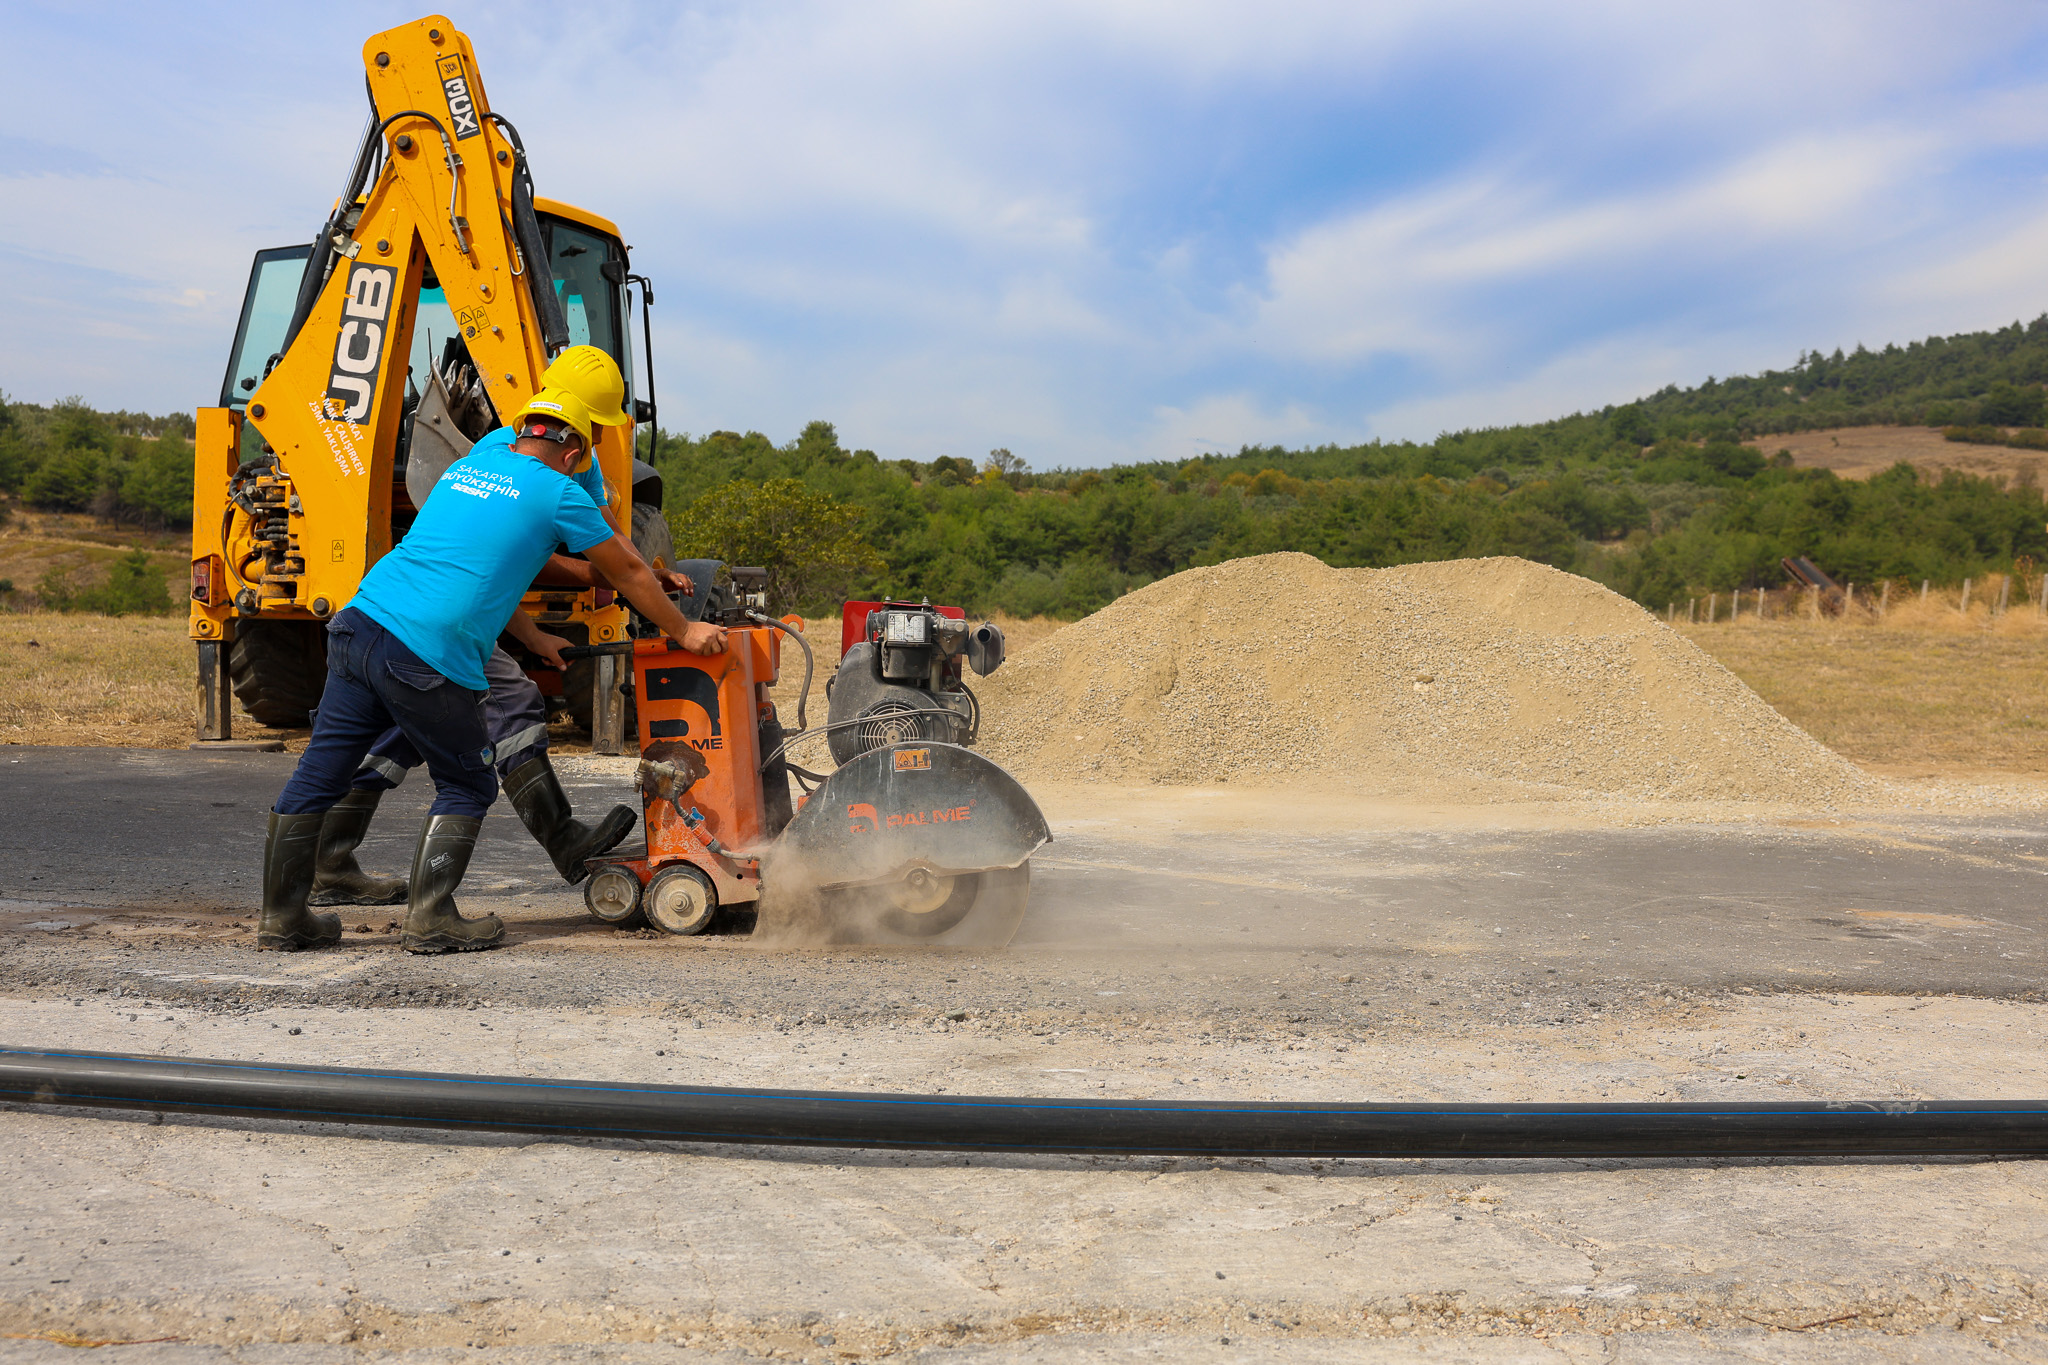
{"x": 410, "y": 648}
{"x": 515, "y": 713}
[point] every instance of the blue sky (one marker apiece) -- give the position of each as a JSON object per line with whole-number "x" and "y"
{"x": 1089, "y": 232}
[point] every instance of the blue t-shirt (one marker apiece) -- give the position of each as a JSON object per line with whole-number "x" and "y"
{"x": 454, "y": 581}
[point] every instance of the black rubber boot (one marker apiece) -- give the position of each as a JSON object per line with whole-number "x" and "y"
{"x": 543, "y": 806}
{"x": 337, "y": 878}
{"x": 286, "y": 925}
{"x": 432, "y": 924}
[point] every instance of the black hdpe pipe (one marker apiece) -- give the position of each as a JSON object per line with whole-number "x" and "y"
{"x": 675, "y": 1113}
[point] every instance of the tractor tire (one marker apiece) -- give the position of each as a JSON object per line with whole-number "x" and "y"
{"x": 279, "y": 669}
{"x": 651, "y": 536}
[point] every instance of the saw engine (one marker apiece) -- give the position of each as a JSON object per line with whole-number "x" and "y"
{"x": 912, "y": 838}
{"x": 900, "y": 676}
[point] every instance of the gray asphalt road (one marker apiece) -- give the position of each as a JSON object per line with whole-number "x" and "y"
{"x": 1222, "y": 958}
{"x": 124, "y": 867}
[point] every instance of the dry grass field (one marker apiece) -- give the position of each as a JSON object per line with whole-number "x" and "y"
{"x": 1859, "y": 452}
{"x": 1924, "y": 692}
{"x": 80, "y": 549}
{"x": 129, "y": 680}
{"x": 96, "y": 680}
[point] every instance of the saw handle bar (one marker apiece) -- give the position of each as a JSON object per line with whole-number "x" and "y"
{"x": 593, "y": 651}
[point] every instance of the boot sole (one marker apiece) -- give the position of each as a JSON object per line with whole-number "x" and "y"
{"x": 274, "y": 943}
{"x": 424, "y": 946}
{"x": 331, "y": 898}
{"x": 598, "y": 847}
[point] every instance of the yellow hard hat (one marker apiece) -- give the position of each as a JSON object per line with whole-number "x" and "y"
{"x": 594, "y": 377}
{"x": 560, "y": 405}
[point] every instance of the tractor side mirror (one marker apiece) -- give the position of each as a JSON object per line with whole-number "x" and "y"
{"x": 643, "y": 412}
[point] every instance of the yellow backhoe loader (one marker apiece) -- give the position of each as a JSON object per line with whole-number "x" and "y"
{"x": 365, "y": 363}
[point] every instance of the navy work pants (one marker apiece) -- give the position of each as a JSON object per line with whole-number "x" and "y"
{"x": 373, "y": 683}
{"x": 515, "y": 718}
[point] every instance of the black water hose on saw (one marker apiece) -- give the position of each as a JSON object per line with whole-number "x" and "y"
{"x": 276, "y": 1091}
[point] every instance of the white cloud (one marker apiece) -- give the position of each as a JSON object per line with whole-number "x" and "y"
{"x": 1613, "y": 370}
{"x": 1408, "y": 276}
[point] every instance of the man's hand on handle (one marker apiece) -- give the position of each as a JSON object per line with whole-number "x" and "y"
{"x": 619, "y": 562}
{"x": 537, "y": 641}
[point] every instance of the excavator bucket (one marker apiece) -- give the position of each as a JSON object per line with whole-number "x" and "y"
{"x": 913, "y": 843}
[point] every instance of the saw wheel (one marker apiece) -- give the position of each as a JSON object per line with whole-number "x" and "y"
{"x": 966, "y": 910}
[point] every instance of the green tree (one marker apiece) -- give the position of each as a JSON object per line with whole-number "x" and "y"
{"x": 156, "y": 486}
{"x": 809, "y": 542}
{"x": 66, "y": 481}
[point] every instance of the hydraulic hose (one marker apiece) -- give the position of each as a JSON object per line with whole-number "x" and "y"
{"x": 1217, "y": 1128}
{"x": 810, "y": 665}
{"x": 540, "y": 274}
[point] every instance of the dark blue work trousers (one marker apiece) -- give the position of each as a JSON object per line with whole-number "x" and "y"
{"x": 373, "y": 683}
{"x": 515, "y": 718}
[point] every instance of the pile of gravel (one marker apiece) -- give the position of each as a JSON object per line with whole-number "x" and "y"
{"x": 1479, "y": 679}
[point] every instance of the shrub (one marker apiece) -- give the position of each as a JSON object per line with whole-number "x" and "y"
{"x": 134, "y": 587}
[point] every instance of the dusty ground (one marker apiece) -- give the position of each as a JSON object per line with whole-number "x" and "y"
{"x": 1186, "y": 943}
{"x": 1859, "y": 452}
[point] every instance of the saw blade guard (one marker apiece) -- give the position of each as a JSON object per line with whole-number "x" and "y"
{"x": 892, "y": 811}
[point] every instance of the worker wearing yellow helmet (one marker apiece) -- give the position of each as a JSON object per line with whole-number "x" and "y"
{"x": 582, "y": 391}
{"x": 411, "y": 649}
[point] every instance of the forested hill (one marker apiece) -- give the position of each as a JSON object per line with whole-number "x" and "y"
{"x": 1989, "y": 378}
{"x": 1658, "y": 498}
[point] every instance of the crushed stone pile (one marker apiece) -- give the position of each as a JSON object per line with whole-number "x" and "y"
{"x": 1478, "y": 679}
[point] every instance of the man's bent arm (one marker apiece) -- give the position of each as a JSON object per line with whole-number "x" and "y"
{"x": 618, "y": 561}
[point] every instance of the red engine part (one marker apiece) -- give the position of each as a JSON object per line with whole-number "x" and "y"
{"x": 853, "y": 620}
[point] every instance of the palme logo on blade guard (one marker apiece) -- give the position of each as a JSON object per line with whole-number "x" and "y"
{"x": 913, "y": 760}
{"x": 865, "y": 820}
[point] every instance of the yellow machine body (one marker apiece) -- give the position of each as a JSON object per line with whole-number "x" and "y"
{"x": 291, "y": 542}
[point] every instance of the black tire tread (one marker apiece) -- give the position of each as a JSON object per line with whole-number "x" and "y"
{"x": 278, "y": 669}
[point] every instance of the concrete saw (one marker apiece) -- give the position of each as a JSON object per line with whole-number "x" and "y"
{"x": 913, "y": 838}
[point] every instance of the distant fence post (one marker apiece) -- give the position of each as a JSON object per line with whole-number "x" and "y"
{"x": 1923, "y": 592}
{"x": 1884, "y": 599}
{"x": 1759, "y": 604}
{"x": 1848, "y": 599}
{"x": 1713, "y": 600}
{"x": 1966, "y": 597}
{"x": 2004, "y": 594}
{"x": 1692, "y": 611}
{"x": 1813, "y": 603}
